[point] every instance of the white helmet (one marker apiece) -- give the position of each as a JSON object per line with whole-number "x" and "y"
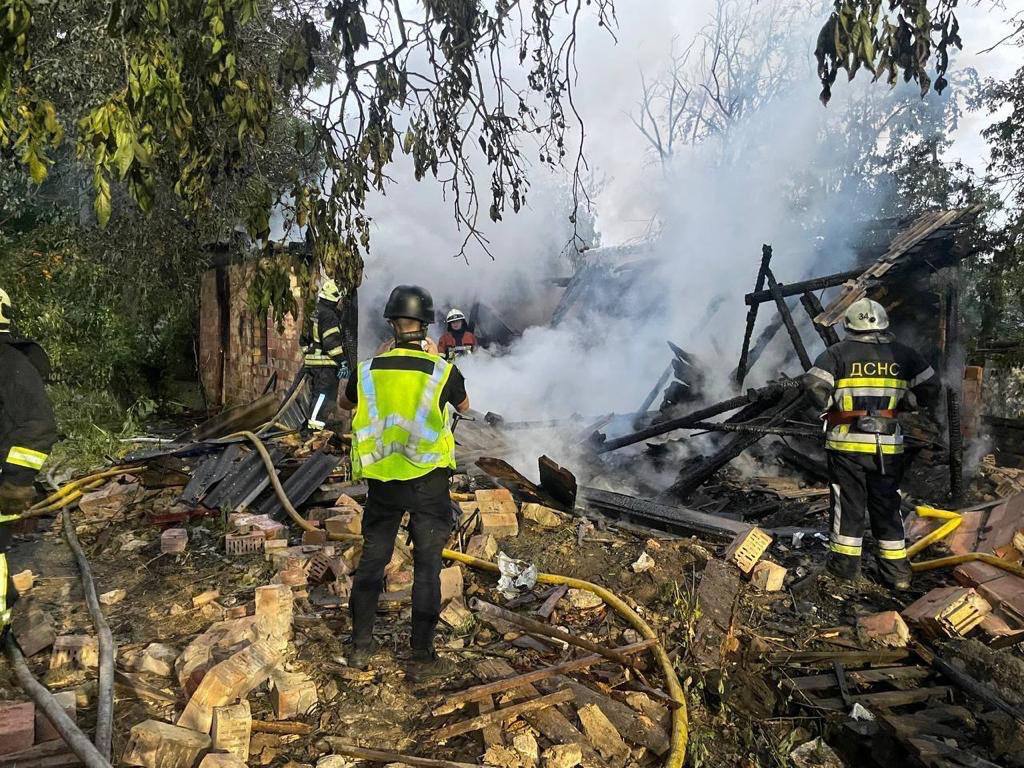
{"x": 329, "y": 291}
{"x": 455, "y": 314}
{"x": 5, "y": 310}
{"x": 865, "y": 315}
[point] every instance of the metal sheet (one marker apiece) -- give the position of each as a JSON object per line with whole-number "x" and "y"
{"x": 303, "y": 482}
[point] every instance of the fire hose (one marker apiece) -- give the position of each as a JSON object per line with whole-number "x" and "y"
{"x": 953, "y": 521}
{"x": 680, "y": 723}
{"x": 73, "y": 736}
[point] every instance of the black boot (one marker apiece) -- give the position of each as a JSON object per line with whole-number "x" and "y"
{"x": 359, "y": 655}
{"x": 895, "y": 574}
{"x": 427, "y": 666}
{"x": 843, "y": 567}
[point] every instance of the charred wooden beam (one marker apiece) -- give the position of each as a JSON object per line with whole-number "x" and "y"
{"x": 603, "y": 446}
{"x": 952, "y": 353}
{"x": 674, "y": 519}
{"x": 741, "y": 369}
{"x": 813, "y": 306}
{"x": 696, "y": 475}
{"x": 787, "y": 317}
{"x": 796, "y": 289}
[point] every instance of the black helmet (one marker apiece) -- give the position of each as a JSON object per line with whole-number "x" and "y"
{"x": 412, "y": 302}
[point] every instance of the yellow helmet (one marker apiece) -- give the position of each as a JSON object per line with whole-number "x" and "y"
{"x": 5, "y": 310}
{"x": 329, "y": 291}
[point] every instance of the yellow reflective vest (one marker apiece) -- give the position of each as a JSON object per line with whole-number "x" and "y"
{"x": 400, "y": 430}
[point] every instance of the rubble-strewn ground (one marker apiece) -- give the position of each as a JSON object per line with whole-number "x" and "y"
{"x": 729, "y": 642}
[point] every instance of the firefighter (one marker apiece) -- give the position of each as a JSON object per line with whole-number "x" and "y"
{"x": 324, "y": 355}
{"x": 402, "y": 444}
{"x": 862, "y": 383}
{"x": 27, "y": 432}
{"x": 457, "y": 339}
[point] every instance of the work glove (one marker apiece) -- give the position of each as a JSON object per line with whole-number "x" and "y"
{"x": 343, "y": 371}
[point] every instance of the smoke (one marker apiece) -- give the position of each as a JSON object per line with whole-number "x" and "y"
{"x": 770, "y": 178}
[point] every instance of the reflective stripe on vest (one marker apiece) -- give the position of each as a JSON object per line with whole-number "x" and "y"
{"x": 849, "y": 395}
{"x": 314, "y": 355}
{"x": 5, "y": 611}
{"x": 26, "y": 457}
{"x": 400, "y": 430}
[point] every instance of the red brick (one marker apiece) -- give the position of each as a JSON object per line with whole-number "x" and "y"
{"x": 231, "y": 730}
{"x": 81, "y": 651}
{"x": 1007, "y": 592}
{"x": 153, "y": 744}
{"x": 976, "y": 573}
{"x": 314, "y": 537}
{"x": 292, "y": 695}
{"x": 886, "y": 628}
{"x": 17, "y": 726}
{"x": 173, "y": 540}
{"x": 226, "y": 682}
{"x": 45, "y": 731}
{"x": 451, "y": 583}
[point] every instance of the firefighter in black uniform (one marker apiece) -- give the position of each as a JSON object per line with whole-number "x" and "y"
{"x": 27, "y": 432}
{"x": 324, "y": 354}
{"x": 862, "y": 383}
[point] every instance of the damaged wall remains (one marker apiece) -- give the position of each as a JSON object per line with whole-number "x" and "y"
{"x": 239, "y": 352}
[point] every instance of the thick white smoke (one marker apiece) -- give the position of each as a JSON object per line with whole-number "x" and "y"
{"x": 713, "y": 216}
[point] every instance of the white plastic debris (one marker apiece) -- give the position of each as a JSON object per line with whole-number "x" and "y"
{"x": 516, "y": 575}
{"x": 861, "y": 713}
{"x": 643, "y": 564}
{"x": 798, "y": 539}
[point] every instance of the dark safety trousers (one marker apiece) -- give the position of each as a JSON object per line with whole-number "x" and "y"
{"x": 431, "y": 522}
{"x": 862, "y": 488}
{"x": 323, "y": 385}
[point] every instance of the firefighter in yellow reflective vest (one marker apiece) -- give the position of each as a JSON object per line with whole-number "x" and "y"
{"x": 862, "y": 383}
{"x": 324, "y": 354}
{"x": 27, "y": 432}
{"x": 402, "y": 445}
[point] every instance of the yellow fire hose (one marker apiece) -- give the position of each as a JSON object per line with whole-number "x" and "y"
{"x": 680, "y": 724}
{"x": 953, "y": 521}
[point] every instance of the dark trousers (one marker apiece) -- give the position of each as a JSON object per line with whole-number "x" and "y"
{"x": 430, "y": 522}
{"x": 323, "y": 381}
{"x": 866, "y": 490}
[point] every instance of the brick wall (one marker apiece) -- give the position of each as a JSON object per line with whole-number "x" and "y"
{"x": 238, "y": 353}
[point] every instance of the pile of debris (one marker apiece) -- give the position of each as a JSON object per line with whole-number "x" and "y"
{"x": 230, "y": 627}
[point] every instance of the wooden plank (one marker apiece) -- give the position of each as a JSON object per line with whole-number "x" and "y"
{"x": 528, "y": 678}
{"x": 551, "y": 723}
{"x": 848, "y": 658}
{"x": 862, "y": 678}
{"x": 549, "y": 604}
{"x": 886, "y": 699}
{"x": 741, "y": 368}
{"x": 501, "y": 715}
{"x": 493, "y": 734}
{"x": 627, "y": 722}
{"x": 787, "y": 318}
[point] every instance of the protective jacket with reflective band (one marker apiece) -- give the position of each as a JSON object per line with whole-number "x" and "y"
{"x": 324, "y": 345}
{"x": 28, "y": 428}
{"x": 864, "y": 375}
{"x": 400, "y": 431}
